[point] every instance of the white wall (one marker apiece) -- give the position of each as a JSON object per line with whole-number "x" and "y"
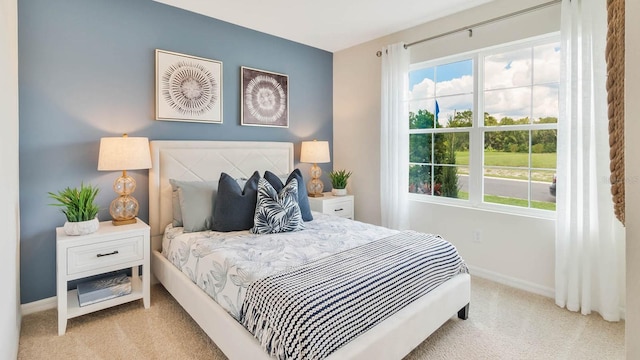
{"x": 9, "y": 211}
{"x": 514, "y": 249}
{"x": 632, "y": 184}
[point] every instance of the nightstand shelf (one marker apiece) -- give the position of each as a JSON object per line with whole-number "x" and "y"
{"x": 111, "y": 248}
{"x": 335, "y": 205}
{"x": 74, "y": 309}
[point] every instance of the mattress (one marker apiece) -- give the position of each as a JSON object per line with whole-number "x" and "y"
{"x": 225, "y": 264}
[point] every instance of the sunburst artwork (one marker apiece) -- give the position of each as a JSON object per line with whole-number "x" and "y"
{"x": 265, "y": 98}
{"x": 188, "y": 88}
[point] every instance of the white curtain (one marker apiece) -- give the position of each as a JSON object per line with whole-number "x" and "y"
{"x": 394, "y": 137}
{"x": 589, "y": 239}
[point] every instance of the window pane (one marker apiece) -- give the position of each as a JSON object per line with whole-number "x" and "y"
{"x": 545, "y": 102}
{"x": 446, "y": 181}
{"x": 515, "y": 191}
{"x": 463, "y": 181}
{"x": 508, "y": 69}
{"x": 454, "y": 78}
{"x": 422, "y": 83}
{"x": 508, "y": 107}
{"x": 420, "y": 148}
{"x": 421, "y": 114}
{"x": 506, "y": 148}
{"x": 455, "y": 111}
{"x": 546, "y": 63}
{"x": 541, "y": 194}
{"x": 543, "y": 148}
{"x": 505, "y": 190}
{"x": 420, "y": 179}
{"x": 449, "y": 145}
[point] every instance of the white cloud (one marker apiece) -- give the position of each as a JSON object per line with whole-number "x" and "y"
{"x": 509, "y": 75}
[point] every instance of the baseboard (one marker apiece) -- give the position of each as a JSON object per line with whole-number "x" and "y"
{"x": 522, "y": 285}
{"x": 512, "y": 282}
{"x": 40, "y": 305}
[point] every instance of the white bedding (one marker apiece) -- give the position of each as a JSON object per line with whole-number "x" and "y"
{"x": 224, "y": 264}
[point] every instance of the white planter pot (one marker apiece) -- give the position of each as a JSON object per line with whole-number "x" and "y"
{"x": 339, "y": 192}
{"x": 82, "y": 227}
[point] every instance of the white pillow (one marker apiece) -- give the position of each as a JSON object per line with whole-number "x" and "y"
{"x": 195, "y": 201}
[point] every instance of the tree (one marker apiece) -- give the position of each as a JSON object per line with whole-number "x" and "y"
{"x": 461, "y": 119}
{"x": 450, "y": 185}
{"x": 421, "y": 120}
{"x": 420, "y": 151}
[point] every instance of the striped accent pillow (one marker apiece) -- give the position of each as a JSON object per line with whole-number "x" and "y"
{"x": 277, "y": 212}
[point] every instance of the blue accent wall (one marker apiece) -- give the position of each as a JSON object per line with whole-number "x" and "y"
{"x": 87, "y": 70}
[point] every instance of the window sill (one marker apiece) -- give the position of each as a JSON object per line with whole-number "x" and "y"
{"x": 494, "y": 208}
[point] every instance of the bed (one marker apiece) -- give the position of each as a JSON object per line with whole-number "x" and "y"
{"x": 392, "y": 338}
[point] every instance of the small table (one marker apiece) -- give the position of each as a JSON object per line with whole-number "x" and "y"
{"x": 109, "y": 249}
{"x": 336, "y": 205}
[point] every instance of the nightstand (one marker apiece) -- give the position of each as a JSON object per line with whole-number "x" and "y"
{"x": 336, "y": 205}
{"x": 109, "y": 249}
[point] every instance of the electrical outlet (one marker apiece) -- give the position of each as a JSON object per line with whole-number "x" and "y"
{"x": 477, "y": 236}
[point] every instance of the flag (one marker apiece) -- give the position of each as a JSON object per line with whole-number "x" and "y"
{"x": 437, "y": 111}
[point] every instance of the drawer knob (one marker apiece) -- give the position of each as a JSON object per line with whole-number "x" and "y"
{"x": 338, "y": 209}
{"x": 107, "y": 254}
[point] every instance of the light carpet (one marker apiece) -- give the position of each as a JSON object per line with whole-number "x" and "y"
{"x": 504, "y": 323}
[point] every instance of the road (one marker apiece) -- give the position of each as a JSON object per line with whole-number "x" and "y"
{"x": 511, "y": 188}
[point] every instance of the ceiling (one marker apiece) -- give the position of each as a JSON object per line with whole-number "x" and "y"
{"x": 331, "y": 25}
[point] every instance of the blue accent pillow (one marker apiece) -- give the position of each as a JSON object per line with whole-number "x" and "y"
{"x": 277, "y": 212}
{"x": 303, "y": 197}
{"x": 235, "y": 207}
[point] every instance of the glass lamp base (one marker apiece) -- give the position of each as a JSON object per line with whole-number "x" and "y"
{"x": 124, "y": 210}
{"x": 315, "y": 187}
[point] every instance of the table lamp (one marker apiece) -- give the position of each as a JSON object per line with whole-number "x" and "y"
{"x": 315, "y": 152}
{"x": 122, "y": 154}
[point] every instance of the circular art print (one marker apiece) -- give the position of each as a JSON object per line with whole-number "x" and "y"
{"x": 188, "y": 88}
{"x": 264, "y": 98}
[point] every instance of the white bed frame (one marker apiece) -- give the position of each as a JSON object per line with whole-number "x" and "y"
{"x": 205, "y": 160}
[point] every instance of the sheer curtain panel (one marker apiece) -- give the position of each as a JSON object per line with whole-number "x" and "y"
{"x": 589, "y": 239}
{"x": 394, "y": 137}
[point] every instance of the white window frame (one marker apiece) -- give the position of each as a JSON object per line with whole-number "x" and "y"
{"x": 477, "y": 130}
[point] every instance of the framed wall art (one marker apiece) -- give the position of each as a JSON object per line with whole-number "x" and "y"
{"x": 264, "y": 98}
{"x": 188, "y": 88}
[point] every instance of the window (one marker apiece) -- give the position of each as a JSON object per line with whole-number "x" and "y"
{"x": 507, "y": 156}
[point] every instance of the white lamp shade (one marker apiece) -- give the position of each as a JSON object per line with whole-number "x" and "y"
{"x": 124, "y": 153}
{"x": 314, "y": 152}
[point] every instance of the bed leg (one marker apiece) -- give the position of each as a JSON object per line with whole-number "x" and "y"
{"x": 464, "y": 312}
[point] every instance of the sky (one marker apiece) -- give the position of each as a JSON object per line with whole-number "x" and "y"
{"x": 517, "y": 84}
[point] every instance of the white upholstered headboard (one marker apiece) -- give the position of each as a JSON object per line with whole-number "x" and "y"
{"x": 204, "y": 161}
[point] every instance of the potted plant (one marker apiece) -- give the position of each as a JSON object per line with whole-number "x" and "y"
{"x": 78, "y": 205}
{"x": 339, "y": 180}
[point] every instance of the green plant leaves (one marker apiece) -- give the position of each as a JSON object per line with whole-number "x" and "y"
{"x": 78, "y": 204}
{"x": 339, "y": 178}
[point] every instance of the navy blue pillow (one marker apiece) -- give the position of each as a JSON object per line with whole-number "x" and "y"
{"x": 303, "y": 198}
{"x": 235, "y": 208}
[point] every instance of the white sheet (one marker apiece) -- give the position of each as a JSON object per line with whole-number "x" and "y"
{"x": 224, "y": 264}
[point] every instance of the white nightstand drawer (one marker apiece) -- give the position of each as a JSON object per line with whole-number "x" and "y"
{"x": 95, "y": 256}
{"x": 334, "y": 205}
{"x": 342, "y": 208}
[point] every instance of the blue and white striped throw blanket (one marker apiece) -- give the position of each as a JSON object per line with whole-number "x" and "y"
{"x": 312, "y": 310}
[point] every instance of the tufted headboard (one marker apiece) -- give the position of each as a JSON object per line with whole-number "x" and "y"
{"x": 204, "y": 161}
